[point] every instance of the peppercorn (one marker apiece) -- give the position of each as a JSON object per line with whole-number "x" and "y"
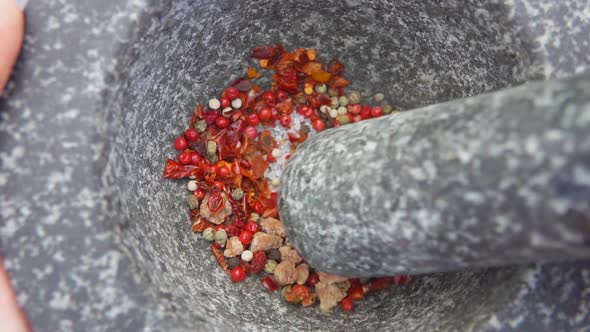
{"x": 180, "y": 143}
{"x": 232, "y": 262}
{"x": 343, "y": 119}
{"x": 237, "y": 194}
{"x": 214, "y": 104}
{"x": 387, "y": 109}
{"x": 379, "y": 97}
{"x": 192, "y": 185}
{"x": 343, "y": 101}
{"x": 221, "y": 237}
{"x": 274, "y": 254}
{"x": 201, "y": 125}
{"x": 211, "y": 147}
{"x": 236, "y": 103}
{"x": 254, "y": 216}
{"x": 342, "y": 110}
{"x": 321, "y": 88}
{"x": 192, "y": 202}
{"x": 335, "y": 102}
{"x": 332, "y": 92}
{"x": 333, "y": 113}
{"x": 247, "y": 255}
{"x": 209, "y": 234}
{"x": 354, "y": 97}
{"x": 226, "y": 112}
{"x": 286, "y": 291}
{"x": 270, "y": 266}
{"x": 275, "y": 182}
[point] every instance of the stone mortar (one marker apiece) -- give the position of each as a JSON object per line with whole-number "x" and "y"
{"x": 94, "y": 239}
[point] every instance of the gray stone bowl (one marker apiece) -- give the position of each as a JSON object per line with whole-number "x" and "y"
{"x": 95, "y": 239}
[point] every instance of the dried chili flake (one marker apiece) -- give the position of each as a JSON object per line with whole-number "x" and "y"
{"x": 219, "y": 257}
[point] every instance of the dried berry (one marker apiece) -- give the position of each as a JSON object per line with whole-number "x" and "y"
{"x": 258, "y": 261}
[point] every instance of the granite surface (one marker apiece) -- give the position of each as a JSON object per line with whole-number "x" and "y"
{"x": 95, "y": 240}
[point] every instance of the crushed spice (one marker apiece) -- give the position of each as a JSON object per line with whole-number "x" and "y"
{"x": 231, "y": 146}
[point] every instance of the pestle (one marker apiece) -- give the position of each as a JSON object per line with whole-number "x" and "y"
{"x": 496, "y": 179}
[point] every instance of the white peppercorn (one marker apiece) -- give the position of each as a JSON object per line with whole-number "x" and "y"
{"x": 236, "y": 103}
{"x": 321, "y": 88}
{"x": 333, "y": 113}
{"x": 192, "y": 185}
{"x": 334, "y": 101}
{"x": 247, "y": 256}
{"x": 342, "y": 110}
{"x": 324, "y": 109}
{"x": 214, "y": 104}
{"x": 354, "y": 97}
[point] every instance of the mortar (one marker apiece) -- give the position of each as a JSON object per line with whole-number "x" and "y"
{"x": 131, "y": 261}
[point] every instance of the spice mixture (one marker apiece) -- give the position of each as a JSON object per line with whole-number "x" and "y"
{"x": 233, "y": 152}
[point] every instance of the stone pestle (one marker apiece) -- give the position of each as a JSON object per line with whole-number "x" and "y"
{"x": 496, "y": 179}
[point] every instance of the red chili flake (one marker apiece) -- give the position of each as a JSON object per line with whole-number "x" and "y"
{"x": 219, "y": 257}
{"x": 347, "y": 304}
{"x": 269, "y": 284}
{"x": 378, "y": 284}
{"x": 300, "y": 294}
{"x": 215, "y": 202}
{"x": 355, "y": 292}
{"x": 258, "y": 261}
{"x": 232, "y": 230}
{"x": 176, "y": 170}
{"x": 210, "y": 116}
{"x": 263, "y": 52}
{"x": 200, "y": 225}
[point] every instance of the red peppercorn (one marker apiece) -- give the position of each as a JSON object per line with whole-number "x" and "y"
{"x": 184, "y": 157}
{"x": 223, "y": 171}
{"x": 318, "y": 125}
{"x": 253, "y": 119}
{"x": 357, "y": 118}
{"x": 312, "y": 280}
{"x": 354, "y": 109}
{"x": 222, "y": 122}
{"x": 258, "y": 261}
{"x": 232, "y": 93}
{"x": 225, "y": 102}
{"x": 346, "y": 304}
{"x": 196, "y": 158}
{"x": 270, "y": 285}
{"x": 376, "y": 111}
{"x": 365, "y": 112}
{"x": 302, "y": 109}
{"x": 285, "y": 121}
{"x": 238, "y": 274}
{"x": 282, "y": 95}
{"x": 246, "y": 237}
{"x": 191, "y": 134}
{"x": 180, "y": 143}
{"x": 264, "y": 114}
{"x": 251, "y": 132}
{"x": 269, "y": 98}
{"x": 217, "y": 186}
{"x": 252, "y": 226}
{"x": 308, "y": 113}
{"x": 274, "y": 113}
{"x": 199, "y": 194}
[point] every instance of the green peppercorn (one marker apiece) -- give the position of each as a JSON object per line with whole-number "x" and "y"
{"x": 343, "y": 101}
{"x": 286, "y": 291}
{"x": 343, "y": 119}
{"x": 221, "y": 237}
{"x": 321, "y": 88}
{"x": 209, "y": 234}
{"x": 254, "y": 216}
{"x": 201, "y": 125}
{"x": 237, "y": 194}
{"x": 354, "y": 97}
{"x": 211, "y": 147}
{"x": 270, "y": 266}
{"x": 387, "y": 109}
{"x": 334, "y": 101}
{"x": 192, "y": 202}
{"x": 379, "y": 97}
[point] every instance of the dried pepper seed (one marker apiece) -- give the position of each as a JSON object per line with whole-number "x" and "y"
{"x": 209, "y": 234}
{"x": 354, "y": 97}
{"x": 238, "y": 274}
{"x": 191, "y": 134}
{"x": 379, "y": 97}
{"x": 192, "y": 185}
{"x": 180, "y": 143}
{"x": 221, "y": 237}
{"x": 270, "y": 266}
{"x": 225, "y": 102}
{"x": 192, "y": 202}
{"x": 247, "y": 255}
{"x": 214, "y": 104}
{"x": 184, "y": 157}
{"x": 232, "y": 93}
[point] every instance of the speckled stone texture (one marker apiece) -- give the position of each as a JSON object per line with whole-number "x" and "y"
{"x": 496, "y": 179}
{"x": 96, "y": 240}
